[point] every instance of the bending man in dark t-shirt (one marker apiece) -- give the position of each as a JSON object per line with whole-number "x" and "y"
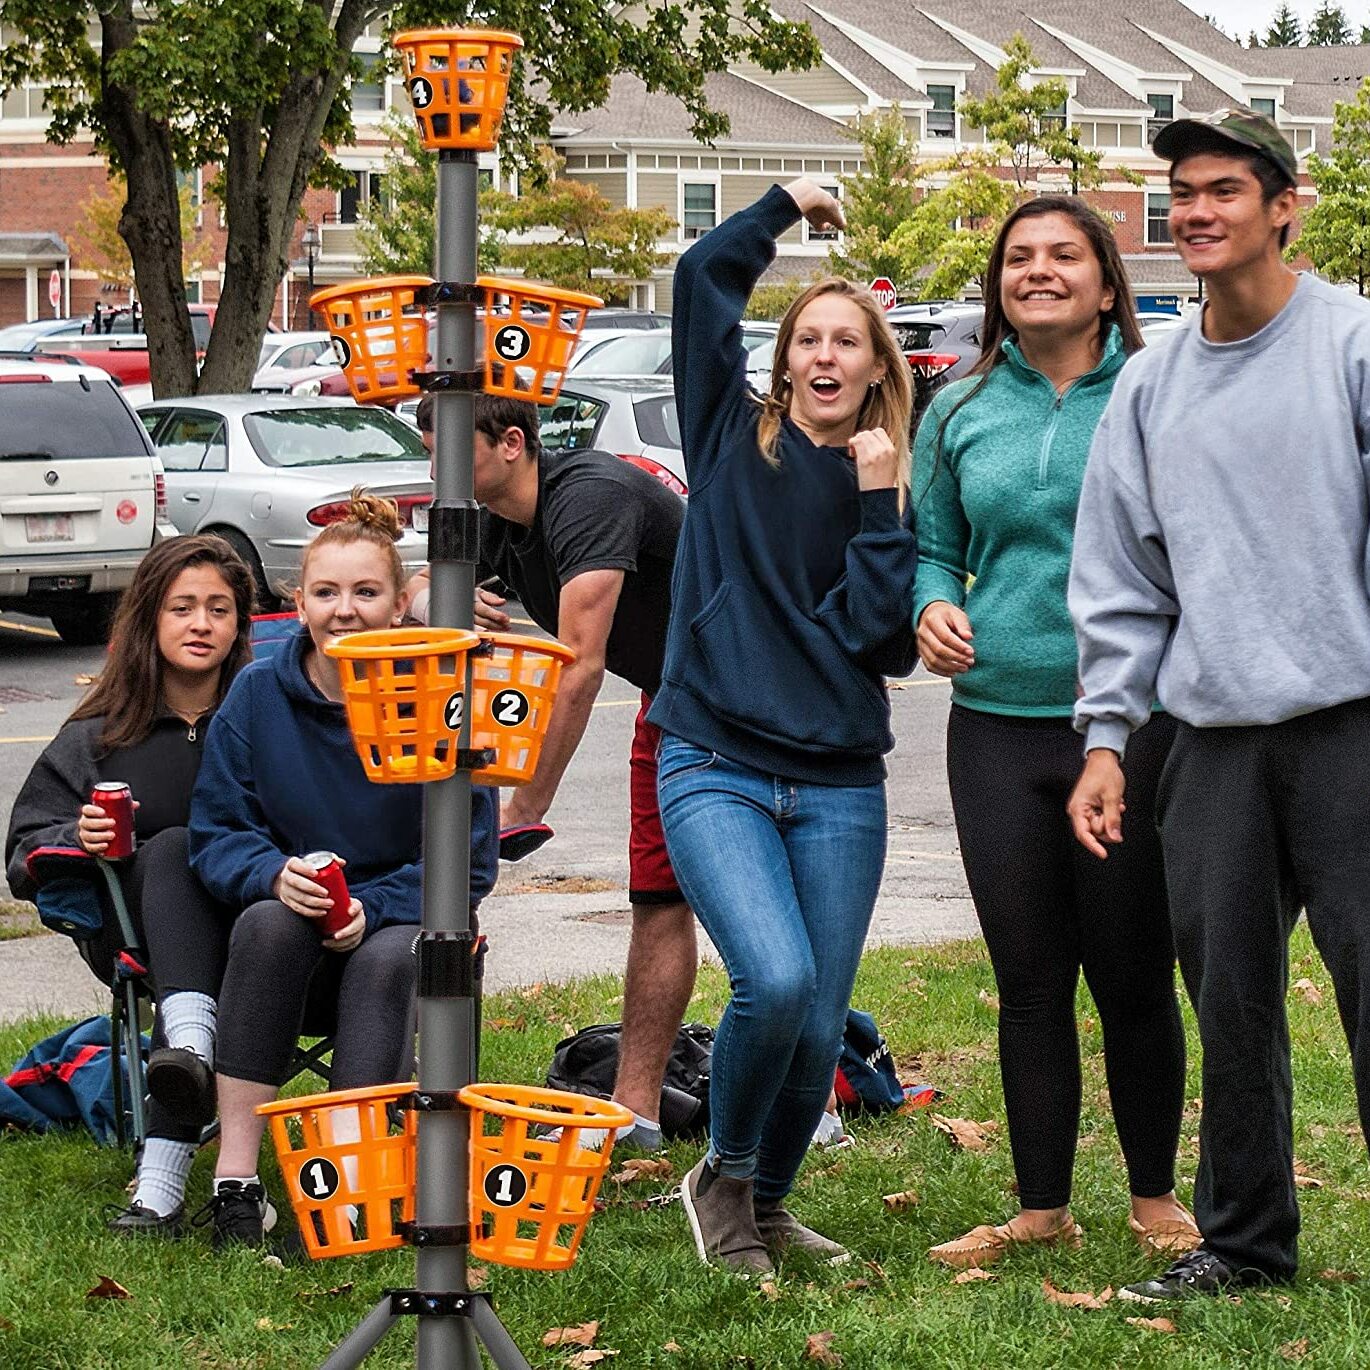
{"x": 587, "y": 543}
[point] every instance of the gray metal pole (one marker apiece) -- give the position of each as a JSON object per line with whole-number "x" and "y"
{"x": 446, "y": 1025}
{"x": 362, "y": 1339}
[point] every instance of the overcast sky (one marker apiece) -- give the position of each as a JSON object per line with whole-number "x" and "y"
{"x": 1238, "y": 17}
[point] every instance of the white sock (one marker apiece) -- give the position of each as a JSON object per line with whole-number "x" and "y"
{"x": 829, "y": 1130}
{"x": 162, "y": 1174}
{"x": 344, "y": 1126}
{"x": 189, "y": 1020}
{"x": 592, "y": 1138}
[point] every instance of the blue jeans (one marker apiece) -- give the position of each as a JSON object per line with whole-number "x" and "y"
{"x": 783, "y": 876}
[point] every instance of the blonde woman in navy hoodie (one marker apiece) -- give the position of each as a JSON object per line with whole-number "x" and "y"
{"x": 998, "y": 466}
{"x": 790, "y": 603}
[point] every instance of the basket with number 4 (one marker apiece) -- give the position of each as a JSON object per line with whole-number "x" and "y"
{"x": 513, "y": 687}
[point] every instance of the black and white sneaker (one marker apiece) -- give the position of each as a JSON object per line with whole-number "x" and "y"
{"x": 1195, "y": 1273}
{"x": 240, "y": 1212}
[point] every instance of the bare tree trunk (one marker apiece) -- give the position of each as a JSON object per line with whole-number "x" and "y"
{"x": 151, "y": 221}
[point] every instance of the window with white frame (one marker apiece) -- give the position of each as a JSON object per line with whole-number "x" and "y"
{"x": 368, "y": 90}
{"x": 941, "y": 118}
{"x": 364, "y": 188}
{"x": 829, "y": 235}
{"x": 698, "y": 208}
{"x": 1055, "y": 118}
{"x": 1162, "y": 113}
{"x": 1158, "y": 218}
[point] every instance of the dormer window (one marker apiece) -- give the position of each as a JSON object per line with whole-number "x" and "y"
{"x": 1266, "y": 107}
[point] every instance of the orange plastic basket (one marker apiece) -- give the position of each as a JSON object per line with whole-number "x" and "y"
{"x": 528, "y": 350}
{"x": 404, "y": 691}
{"x": 379, "y": 333}
{"x": 458, "y": 81}
{"x": 348, "y": 1167}
{"x": 513, "y": 688}
{"x": 534, "y": 1195}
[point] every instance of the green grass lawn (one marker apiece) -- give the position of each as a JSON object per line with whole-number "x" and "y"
{"x": 638, "y": 1276}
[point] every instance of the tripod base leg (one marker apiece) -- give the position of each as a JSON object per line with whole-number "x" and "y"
{"x": 362, "y": 1339}
{"x": 497, "y": 1341}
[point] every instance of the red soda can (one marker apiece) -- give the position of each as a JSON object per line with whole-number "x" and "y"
{"x": 116, "y": 799}
{"x": 329, "y": 874}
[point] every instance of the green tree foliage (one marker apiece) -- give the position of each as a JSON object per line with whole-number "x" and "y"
{"x": 1284, "y": 30}
{"x": 400, "y": 236}
{"x": 770, "y": 301}
{"x": 261, "y": 89}
{"x": 1365, "y": 34}
{"x": 879, "y": 198}
{"x": 1329, "y": 26}
{"x": 97, "y": 234}
{"x": 1027, "y": 121}
{"x": 948, "y": 236}
{"x": 592, "y": 234}
{"x": 1336, "y": 231}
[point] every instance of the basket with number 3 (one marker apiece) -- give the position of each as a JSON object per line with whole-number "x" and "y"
{"x": 513, "y": 687}
{"x": 528, "y": 349}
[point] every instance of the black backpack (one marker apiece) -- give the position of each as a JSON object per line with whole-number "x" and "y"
{"x": 588, "y": 1062}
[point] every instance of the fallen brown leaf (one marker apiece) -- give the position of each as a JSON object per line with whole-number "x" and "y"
{"x": 973, "y": 1274}
{"x": 856, "y": 1284}
{"x": 108, "y": 1289}
{"x": 900, "y": 1202}
{"x": 583, "y": 1335}
{"x": 990, "y": 1001}
{"x": 581, "y": 1359}
{"x": 507, "y": 1024}
{"x": 1295, "y": 1350}
{"x": 818, "y": 1347}
{"x": 672, "y": 1346}
{"x": 1068, "y": 1300}
{"x": 1302, "y": 1179}
{"x": 965, "y": 1133}
{"x": 1307, "y": 991}
{"x": 335, "y": 1292}
{"x": 532, "y": 991}
{"x": 1155, "y": 1324}
{"x": 770, "y": 1291}
{"x": 877, "y": 1270}
{"x": 476, "y": 1276}
{"x": 1338, "y": 1276}
{"x": 7, "y": 1326}
{"x": 644, "y": 1168}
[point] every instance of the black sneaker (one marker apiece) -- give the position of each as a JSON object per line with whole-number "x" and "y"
{"x": 136, "y": 1220}
{"x": 183, "y": 1084}
{"x": 241, "y": 1214}
{"x": 1196, "y": 1272}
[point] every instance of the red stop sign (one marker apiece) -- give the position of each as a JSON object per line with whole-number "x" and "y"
{"x": 883, "y": 290}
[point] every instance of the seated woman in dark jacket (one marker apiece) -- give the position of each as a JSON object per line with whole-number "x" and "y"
{"x": 282, "y": 780}
{"x": 181, "y": 635}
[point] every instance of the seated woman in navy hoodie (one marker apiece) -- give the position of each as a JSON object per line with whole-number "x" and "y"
{"x": 791, "y": 601}
{"x": 281, "y": 779}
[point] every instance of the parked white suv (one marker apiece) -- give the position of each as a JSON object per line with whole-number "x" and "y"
{"x": 82, "y": 495}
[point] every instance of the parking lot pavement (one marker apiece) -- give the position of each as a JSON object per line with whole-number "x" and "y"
{"x": 562, "y": 912}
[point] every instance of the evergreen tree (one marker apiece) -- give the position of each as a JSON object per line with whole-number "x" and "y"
{"x": 1329, "y": 26}
{"x": 1284, "y": 29}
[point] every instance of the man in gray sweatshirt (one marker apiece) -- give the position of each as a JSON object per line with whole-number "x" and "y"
{"x": 1220, "y": 569}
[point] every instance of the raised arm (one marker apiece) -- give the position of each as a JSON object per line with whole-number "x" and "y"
{"x": 713, "y": 282}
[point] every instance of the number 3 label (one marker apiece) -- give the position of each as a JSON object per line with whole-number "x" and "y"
{"x": 510, "y": 708}
{"x": 505, "y": 1185}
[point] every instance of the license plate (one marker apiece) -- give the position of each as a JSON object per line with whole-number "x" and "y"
{"x": 49, "y": 527}
{"x": 420, "y": 517}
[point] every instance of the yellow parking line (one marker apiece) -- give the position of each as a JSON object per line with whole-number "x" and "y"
{"x": 618, "y": 704}
{"x": 28, "y": 628}
{"x": 25, "y": 739}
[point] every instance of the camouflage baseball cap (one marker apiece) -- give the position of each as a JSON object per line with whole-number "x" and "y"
{"x": 1243, "y": 127}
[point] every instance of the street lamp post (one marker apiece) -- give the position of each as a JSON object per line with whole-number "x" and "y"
{"x": 311, "y": 241}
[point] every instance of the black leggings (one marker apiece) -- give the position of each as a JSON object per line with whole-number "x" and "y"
{"x": 1047, "y": 908}
{"x": 183, "y": 931}
{"x": 281, "y": 981}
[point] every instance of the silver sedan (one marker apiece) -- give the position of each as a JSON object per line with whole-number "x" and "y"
{"x": 266, "y": 472}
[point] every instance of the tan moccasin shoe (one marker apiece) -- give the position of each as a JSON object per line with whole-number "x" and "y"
{"x": 985, "y": 1245}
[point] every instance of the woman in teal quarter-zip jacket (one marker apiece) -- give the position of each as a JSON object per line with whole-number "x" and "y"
{"x": 998, "y": 465}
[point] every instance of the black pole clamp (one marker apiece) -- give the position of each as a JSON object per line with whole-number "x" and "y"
{"x": 454, "y": 531}
{"x": 435, "y": 1234}
{"x": 447, "y": 965}
{"x": 416, "y": 1302}
{"x": 476, "y": 758}
{"x": 430, "y": 1101}
{"x": 450, "y": 292}
{"x": 469, "y": 382}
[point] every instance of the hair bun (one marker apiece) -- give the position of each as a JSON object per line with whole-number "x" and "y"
{"x": 370, "y": 510}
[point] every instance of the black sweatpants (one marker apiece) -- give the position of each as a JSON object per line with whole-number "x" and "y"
{"x": 183, "y": 931}
{"x": 281, "y": 980}
{"x": 1047, "y": 908}
{"x": 1258, "y": 822}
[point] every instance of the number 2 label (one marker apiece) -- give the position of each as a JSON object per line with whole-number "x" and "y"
{"x": 510, "y": 708}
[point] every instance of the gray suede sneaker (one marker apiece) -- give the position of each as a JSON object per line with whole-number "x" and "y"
{"x": 782, "y": 1231}
{"x": 723, "y": 1222}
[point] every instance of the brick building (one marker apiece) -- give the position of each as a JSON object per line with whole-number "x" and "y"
{"x": 1128, "y": 70}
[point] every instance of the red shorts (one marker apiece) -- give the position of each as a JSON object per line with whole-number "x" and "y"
{"x": 650, "y": 877}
